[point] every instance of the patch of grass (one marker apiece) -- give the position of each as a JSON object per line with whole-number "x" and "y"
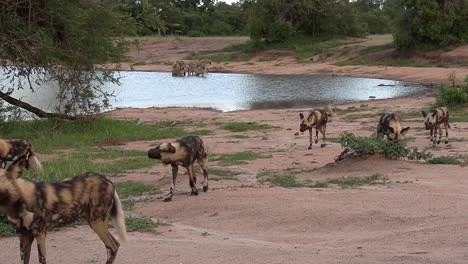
{"x": 140, "y": 224}
{"x": 50, "y": 135}
{"x": 202, "y": 132}
{"x": 285, "y": 181}
{"x": 241, "y": 127}
{"x": 454, "y": 139}
{"x": 233, "y": 141}
{"x": 264, "y": 138}
{"x": 222, "y": 172}
{"x": 380, "y": 36}
{"x": 372, "y": 49}
{"x": 267, "y": 59}
{"x": 139, "y": 63}
{"x": 250, "y": 63}
{"x": 444, "y": 160}
{"x": 239, "y": 157}
{"x": 59, "y": 169}
{"x": 351, "y": 110}
{"x": 239, "y": 136}
{"x": 459, "y": 119}
{"x": 375, "y": 178}
{"x": 134, "y": 188}
{"x": 264, "y": 173}
{"x": 6, "y": 229}
{"x": 318, "y": 185}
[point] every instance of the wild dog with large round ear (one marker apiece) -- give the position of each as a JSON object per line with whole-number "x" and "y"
{"x": 12, "y": 150}
{"x": 390, "y": 126}
{"x": 184, "y": 152}
{"x": 433, "y": 120}
{"x": 317, "y": 119}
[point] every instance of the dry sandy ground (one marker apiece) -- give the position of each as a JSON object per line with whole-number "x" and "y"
{"x": 418, "y": 216}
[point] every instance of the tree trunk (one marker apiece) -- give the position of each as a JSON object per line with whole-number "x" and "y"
{"x": 33, "y": 109}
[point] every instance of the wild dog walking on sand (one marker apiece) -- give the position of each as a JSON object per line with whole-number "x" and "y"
{"x": 390, "y": 126}
{"x": 433, "y": 120}
{"x": 184, "y": 152}
{"x": 317, "y": 119}
{"x": 35, "y": 207}
{"x": 12, "y": 150}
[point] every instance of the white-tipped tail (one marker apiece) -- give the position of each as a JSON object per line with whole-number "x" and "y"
{"x": 118, "y": 220}
{"x": 35, "y": 164}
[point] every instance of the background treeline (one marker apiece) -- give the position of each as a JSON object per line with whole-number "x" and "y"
{"x": 414, "y": 23}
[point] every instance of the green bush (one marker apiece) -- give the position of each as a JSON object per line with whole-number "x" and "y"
{"x": 453, "y": 96}
{"x": 444, "y": 160}
{"x": 195, "y": 33}
{"x": 374, "y": 144}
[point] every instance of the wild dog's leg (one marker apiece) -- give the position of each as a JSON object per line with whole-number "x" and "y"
{"x": 192, "y": 180}
{"x": 112, "y": 245}
{"x": 26, "y": 239}
{"x": 41, "y": 247}
{"x": 324, "y": 137}
{"x": 440, "y": 134}
{"x": 446, "y": 126}
{"x": 310, "y": 138}
{"x": 175, "y": 170}
{"x": 316, "y": 135}
{"x": 434, "y": 137}
{"x": 202, "y": 163}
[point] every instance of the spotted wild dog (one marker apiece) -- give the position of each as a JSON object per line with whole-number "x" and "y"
{"x": 390, "y": 126}
{"x": 433, "y": 120}
{"x": 184, "y": 152}
{"x": 317, "y": 119}
{"x": 12, "y": 150}
{"x": 35, "y": 207}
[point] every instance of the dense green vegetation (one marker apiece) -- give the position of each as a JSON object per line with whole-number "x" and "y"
{"x": 454, "y": 95}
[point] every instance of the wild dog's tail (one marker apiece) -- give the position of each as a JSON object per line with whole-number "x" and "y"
{"x": 118, "y": 218}
{"x": 34, "y": 163}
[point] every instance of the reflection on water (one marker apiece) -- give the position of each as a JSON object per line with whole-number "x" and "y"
{"x": 228, "y": 92}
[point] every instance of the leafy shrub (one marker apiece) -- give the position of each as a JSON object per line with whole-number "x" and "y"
{"x": 455, "y": 95}
{"x": 195, "y": 33}
{"x": 374, "y": 144}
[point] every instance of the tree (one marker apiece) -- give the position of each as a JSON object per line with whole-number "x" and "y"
{"x": 429, "y": 24}
{"x": 49, "y": 41}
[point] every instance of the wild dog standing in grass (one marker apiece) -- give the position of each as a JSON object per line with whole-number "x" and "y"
{"x": 390, "y": 126}
{"x": 433, "y": 120}
{"x": 184, "y": 152}
{"x": 317, "y": 119}
{"x": 35, "y": 207}
{"x": 12, "y": 150}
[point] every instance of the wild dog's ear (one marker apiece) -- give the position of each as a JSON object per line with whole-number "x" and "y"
{"x": 424, "y": 113}
{"x": 301, "y": 116}
{"x": 404, "y": 130}
{"x": 391, "y": 129}
{"x": 171, "y": 148}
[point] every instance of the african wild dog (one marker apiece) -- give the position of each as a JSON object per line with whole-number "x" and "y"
{"x": 390, "y": 126}
{"x": 35, "y": 207}
{"x": 12, "y": 150}
{"x": 433, "y": 120}
{"x": 184, "y": 152}
{"x": 317, "y": 119}
{"x": 200, "y": 70}
{"x": 179, "y": 69}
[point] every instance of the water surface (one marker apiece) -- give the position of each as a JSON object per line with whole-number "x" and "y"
{"x": 228, "y": 92}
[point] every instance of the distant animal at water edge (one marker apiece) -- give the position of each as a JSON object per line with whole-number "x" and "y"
{"x": 184, "y": 152}
{"x": 179, "y": 69}
{"x": 200, "y": 70}
{"x": 317, "y": 119}
{"x": 12, "y": 150}
{"x": 434, "y": 120}
{"x": 390, "y": 126}
{"x": 35, "y": 207}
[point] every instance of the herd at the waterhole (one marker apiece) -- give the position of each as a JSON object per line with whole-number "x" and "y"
{"x": 193, "y": 68}
{"x": 35, "y": 207}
